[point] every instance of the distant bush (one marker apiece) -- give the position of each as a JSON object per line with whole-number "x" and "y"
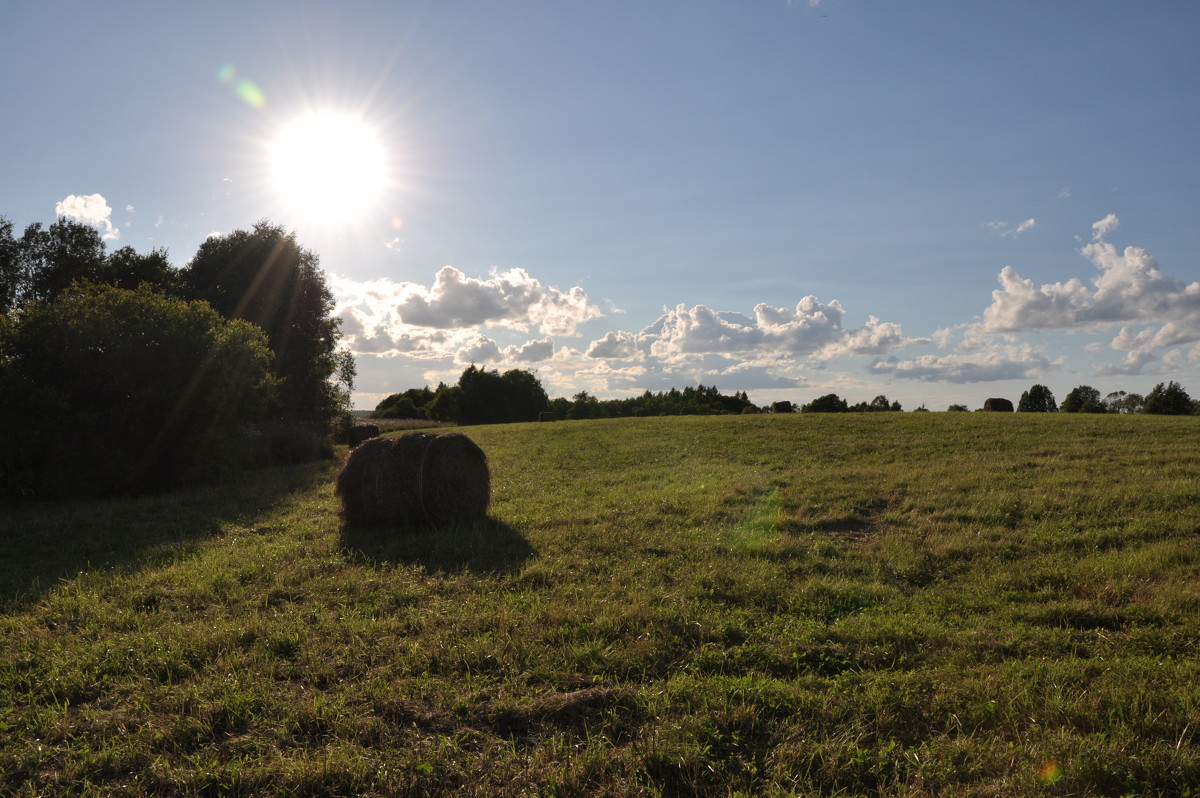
{"x": 155, "y": 392}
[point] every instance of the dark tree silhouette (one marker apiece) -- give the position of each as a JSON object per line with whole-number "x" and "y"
{"x": 265, "y": 277}
{"x": 1037, "y": 399}
{"x": 829, "y": 403}
{"x": 1083, "y": 399}
{"x": 1168, "y": 399}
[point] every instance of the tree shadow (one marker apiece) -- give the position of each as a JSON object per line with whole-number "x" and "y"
{"x": 45, "y": 543}
{"x": 488, "y": 546}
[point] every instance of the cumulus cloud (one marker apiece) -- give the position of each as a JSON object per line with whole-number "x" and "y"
{"x": 384, "y": 315}
{"x": 530, "y": 351}
{"x": 90, "y": 209}
{"x": 478, "y": 349}
{"x": 985, "y": 365}
{"x": 616, "y": 344}
{"x": 812, "y": 328}
{"x": 512, "y": 298}
{"x": 1131, "y": 366}
{"x": 1129, "y": 287}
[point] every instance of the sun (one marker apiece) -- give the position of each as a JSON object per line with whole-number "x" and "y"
{"x": 328, "y": 167}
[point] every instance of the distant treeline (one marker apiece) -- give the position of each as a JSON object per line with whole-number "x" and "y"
{"x": 120, "y": 373}
{"x": 489, "y": 397}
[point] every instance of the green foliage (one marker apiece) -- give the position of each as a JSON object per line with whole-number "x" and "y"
{"x": 1083, "y": 399}
{"x": 958, "y": 409}
{"x": 489, "y": 397}
{"x": 410, "y": 404}
{"x": 106, "y": 390}
{"x": 1037, "y": 399}
{"x": 906, "y": 604}
{"x": 1168, "y": 399}
{"x": 44, "y": 262}
{"x": 829, "y": 403}
{"x": 10, "y": 267}
{"x": 265, "y": 277}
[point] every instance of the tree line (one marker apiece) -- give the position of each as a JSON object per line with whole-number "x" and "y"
{"x": 120, "y": 373}
{"x": 489, "y": 397}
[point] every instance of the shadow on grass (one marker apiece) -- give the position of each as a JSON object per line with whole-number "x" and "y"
{"x": 485, "y": 547}
{"x": 44, "y": 543}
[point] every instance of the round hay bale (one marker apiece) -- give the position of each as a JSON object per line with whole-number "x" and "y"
{"x": 362, "y": 432}
{"x": 422, "y": 479}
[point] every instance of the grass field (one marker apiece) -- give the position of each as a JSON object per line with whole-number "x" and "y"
{"x": 909, "y": 604}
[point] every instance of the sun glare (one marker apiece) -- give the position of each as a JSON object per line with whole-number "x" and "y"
{"x": 328, "y": 167}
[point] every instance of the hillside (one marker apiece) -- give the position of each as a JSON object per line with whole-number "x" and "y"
{"x": 896, "y": 603}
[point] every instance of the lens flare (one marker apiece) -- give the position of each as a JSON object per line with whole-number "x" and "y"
{"x": 1050, "y": 772}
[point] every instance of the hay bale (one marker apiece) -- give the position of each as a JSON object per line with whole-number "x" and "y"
{"x": 362, "y": 432}
{"x": 998, "y": 405}
{"x": 422, "y": 479}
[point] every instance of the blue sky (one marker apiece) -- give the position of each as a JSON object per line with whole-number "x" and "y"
{"x": 939, "y": 202}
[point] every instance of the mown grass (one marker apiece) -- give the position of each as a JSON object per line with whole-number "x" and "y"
{"x": 889, "y": 604}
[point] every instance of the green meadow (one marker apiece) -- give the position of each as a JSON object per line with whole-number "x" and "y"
{"x": 911, "y": 604}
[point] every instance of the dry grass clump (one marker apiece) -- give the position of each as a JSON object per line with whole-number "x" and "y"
{"x": 421, "y": 479}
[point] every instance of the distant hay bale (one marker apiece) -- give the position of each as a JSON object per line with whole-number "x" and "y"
{"x": 421, "y": 479}
{"x": 998, "y": 405}
{"x": 362, "y": 432}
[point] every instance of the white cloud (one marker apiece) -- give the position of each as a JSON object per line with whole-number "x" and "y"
{"x": 1129, "y": 287}
{"x": 813, "y": 328}
{"x": 1005, "y": 231}
{"x": 1065, "y": 193}
{"x": 1105, "y": 226}
{"x": 479, "y": 349}
{"x": 159, "y": 221}
{"x": 511, "y": 298}
{"x": 986, "y": 365}
{"x": 1017, "y": 305}
{"x": 90, "y": 209}
{"x": 382, "y": 315}
{"x": 1132, "y": 366}
{"x": 530, "y": 351}
{"x": 616, "y": 344}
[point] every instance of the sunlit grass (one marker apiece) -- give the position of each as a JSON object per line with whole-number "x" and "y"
{"x": 909, "y": 604}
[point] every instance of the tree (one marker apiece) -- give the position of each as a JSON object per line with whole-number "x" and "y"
{"x": 156, "y": 392}
{"x": 1121, "y": 402}
{"x": 1083, "y": 399}
{"x": 49, "y": 260}
{"x": 829, "y": 403}
{"x": 10, "y": 266}
{"x": 265, "y": 277}
{"x": 957, "y": 409}
{"x": 1037, "y": 399}
{"x": 488, "y": 397}
{"x": 127, "y": 268}
{"x": 1168, "y": 399}
{"x": 410, "y": 404}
